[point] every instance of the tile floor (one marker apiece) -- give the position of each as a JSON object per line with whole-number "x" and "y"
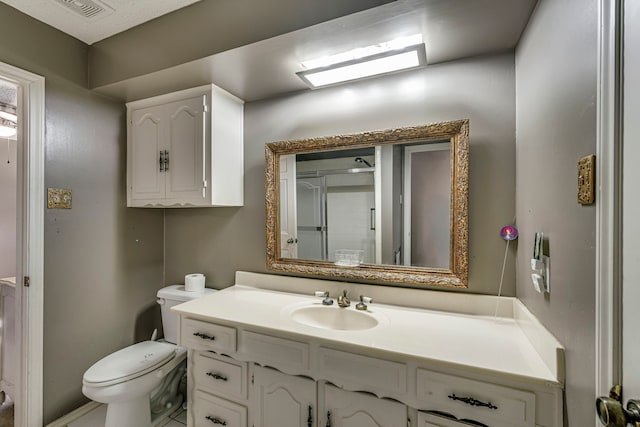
{"x": 96, "y": 417}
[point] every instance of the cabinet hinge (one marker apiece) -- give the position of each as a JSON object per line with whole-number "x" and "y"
{"x": 251, "y": 378}
{"x": 26, "y": 281}
{"x": 204, "y": 183}
{"x": 205, "y": 108}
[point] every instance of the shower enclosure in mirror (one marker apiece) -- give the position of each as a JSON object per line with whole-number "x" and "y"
{"x": 385, "y": 205}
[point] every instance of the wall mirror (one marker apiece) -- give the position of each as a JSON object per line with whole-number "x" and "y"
{"x": 384, "y": 206}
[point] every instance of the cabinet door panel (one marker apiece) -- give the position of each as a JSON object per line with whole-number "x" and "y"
{"x": 351, "y": 409}
{"x": 283, "y": 400}
{"x": 186, "y": 146}
{"x": 146, "y": 179}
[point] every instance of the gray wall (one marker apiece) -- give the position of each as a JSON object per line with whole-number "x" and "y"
{"x": 217, "y": 242}
{"x": 556, "y": 125}
{"x": 8, "y": 184}
{"x": 103, "y": 262}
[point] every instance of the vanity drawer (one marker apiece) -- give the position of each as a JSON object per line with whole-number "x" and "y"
{"x": 487, "y": 403}
{"x": 198, "y": 335}
{"x": 220, "y": 375}
{"x": 212, "y": 411}
{"x": 281, "y": 353}
{"x": 356, "y": 371}
{"x": 441, "y": 420}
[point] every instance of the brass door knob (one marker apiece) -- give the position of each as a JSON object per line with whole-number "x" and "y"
{"x": 613, "y": 414}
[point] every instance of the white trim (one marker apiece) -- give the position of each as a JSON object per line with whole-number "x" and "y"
{"x": 75, "y": 415}
{"x": 377, "y": 202}
{"x": 30, "y": 256}
{"x": 608, "y": 200}
{"x": 406, "y": 193}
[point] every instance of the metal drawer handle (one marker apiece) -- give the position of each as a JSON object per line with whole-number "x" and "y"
{"x": 217, "y": 376}
{"x": 216, "y": 420}
{"x": 473, "y": 402}
{"x": 204, "y": 336}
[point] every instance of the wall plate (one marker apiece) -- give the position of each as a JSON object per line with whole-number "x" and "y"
{"x": 58, "y": 198}
{"x": 586, "y": 180}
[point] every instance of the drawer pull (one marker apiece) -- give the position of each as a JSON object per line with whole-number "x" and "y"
{"x": 471, "y": 401}
{"x": 204, "y": 336}
{"x": 216, "y": 420}
{"x": 217, "y": 376}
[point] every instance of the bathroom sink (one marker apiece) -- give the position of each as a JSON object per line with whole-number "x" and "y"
{"x": 335, "y": 318}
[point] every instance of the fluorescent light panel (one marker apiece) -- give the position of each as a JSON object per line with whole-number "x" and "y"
{"x": 362, "y": 52}
{"x": 373, "y": 65}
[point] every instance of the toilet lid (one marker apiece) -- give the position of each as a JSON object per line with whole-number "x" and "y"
{"x": 132, "y": 361}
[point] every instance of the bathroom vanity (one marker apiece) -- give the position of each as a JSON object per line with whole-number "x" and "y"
{"x": 267, "y": 353}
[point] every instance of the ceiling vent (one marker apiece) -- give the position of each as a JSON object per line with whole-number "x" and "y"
{"x": 87, "y": 8}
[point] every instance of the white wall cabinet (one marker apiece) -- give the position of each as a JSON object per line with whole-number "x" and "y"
{"x": 185, "y": 149}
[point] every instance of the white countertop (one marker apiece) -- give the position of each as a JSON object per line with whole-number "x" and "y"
{"x": 475, "y": 342}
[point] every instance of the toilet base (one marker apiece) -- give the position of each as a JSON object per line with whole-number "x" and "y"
{"x": 132, "y": 413}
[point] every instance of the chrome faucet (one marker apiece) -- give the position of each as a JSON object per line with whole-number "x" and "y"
{"x": 362, "y": 305}
{"x": 327, "y": 299}
{"x": 343, "y": 300}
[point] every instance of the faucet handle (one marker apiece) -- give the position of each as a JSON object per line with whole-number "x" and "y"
{"x": 362, "y": 305}
{"x": 327, "y": 299}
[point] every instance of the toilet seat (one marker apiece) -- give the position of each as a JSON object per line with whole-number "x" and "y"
{"x": 129, "y": 363}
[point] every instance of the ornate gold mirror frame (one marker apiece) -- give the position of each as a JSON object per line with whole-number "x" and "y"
{"x": 456, "y": 132}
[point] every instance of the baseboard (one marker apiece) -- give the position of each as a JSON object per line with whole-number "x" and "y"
{"x": 74, "y": 415}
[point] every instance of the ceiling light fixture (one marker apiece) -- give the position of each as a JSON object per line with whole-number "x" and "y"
{"x": 384, "y": 58}
{"x": 8, "y": 120}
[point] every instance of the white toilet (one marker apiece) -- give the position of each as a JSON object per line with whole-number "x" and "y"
{"x": 140, "y": 383}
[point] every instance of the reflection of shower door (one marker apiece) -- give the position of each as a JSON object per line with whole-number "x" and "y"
{"x": 312, "y": 218}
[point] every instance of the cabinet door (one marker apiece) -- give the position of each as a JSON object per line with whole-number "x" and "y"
{"x": 146, "y": 180}
{"x": 186, "y": 145}
{"x": 350, "y": 409}
{"x": 282, "y": 400}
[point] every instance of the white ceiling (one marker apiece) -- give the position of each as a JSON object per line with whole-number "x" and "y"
{"x": 452, "y": 29}
{"x": 119, "y": 15}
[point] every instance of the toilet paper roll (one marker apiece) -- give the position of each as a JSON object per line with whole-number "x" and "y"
{"x": 194, "y": 282}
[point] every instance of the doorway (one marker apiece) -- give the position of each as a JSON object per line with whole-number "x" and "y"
{"x": 29, "y": 243}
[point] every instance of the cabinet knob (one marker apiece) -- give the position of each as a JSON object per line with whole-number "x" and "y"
{"x": 473, "y": 402}
{"x": 204, "y": 336}
{"x": 166, "y": 161}
{"x": 217, "y": 376}
{"x": 216, "y": 420}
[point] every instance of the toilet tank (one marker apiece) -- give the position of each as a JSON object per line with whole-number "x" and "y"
{"x": 167, "y": 298}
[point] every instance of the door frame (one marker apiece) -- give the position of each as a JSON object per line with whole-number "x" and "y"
{"x": 30, "y": 244}
{"x": 406, "y": 192}
{"x": 608, "y": 328}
